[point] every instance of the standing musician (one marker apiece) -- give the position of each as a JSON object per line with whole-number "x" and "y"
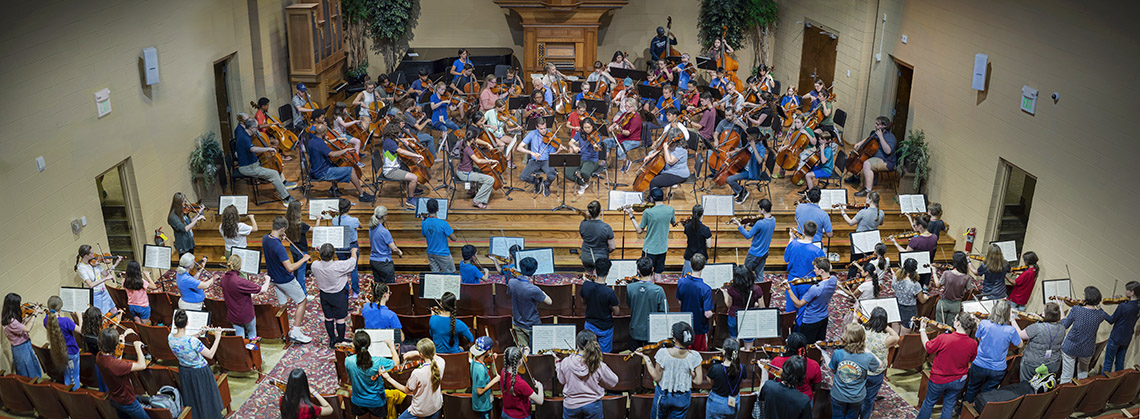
{"x": 538, "y": 145}
{"x": 458, "y": 85}
{"x": 391, "y": 168}
{"x": 248, "y": 163}
{"x": 626, "y": 131}
{"x": 685, "y": 71}
{"x": 420, "y": 86}
{"x": 182, "y": 223}
{"x": 262, "y": 117}
{"x": 465, "y": 170}
{"x": 302, "y": 105}
{"x": 321, "y": 167}
{"x": 659, "y": 45}
{"x": 460, "y": 63}
{"x": 883, "y": 160}
{"x": 488, "y": 96}
{"x": 620, "y": 61}
{"x": 116, "y": 372}
{"x": 413, "y": 123}
{"x": 538, "y": 106}
{"x": 94, "y": 276}
{"x": 280, "y": 269}
{"x": 497, "y": 122}
{"x": 439, "y": 108}
{"x": 799, "y": 255}
{"x": 583, "y": 144}
{"x": 760, "y": 233}
{"x": 674, "y": 136}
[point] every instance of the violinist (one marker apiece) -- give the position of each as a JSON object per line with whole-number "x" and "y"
{"x": 182, "y": 223}
{"x": 248, "y": 165}
{"x": 676, "y": 156}
{"x": 383, "y": 85}
{"x": 484, "y": 377}
{"x": 625, "y": 91}
{"x": 413, "y": 122}
{"x": 191, "y": 287}
{"x": 827, "y": 150}
{"x": 376, "y": 313}
{"x": 953, "y": 283}
{"x": 761, "y": 233}
{"x": 696, "y": 298}
{"x": 781, "y": 398}
{"x": 17, "y": 324}
{"x": 448, "y": 334}
{"x": 659, "y": 75}
{"x": 367, "y": 394}
{"x": 754, "y": 170}
{"x": 643, "y": 297}
{"x": 538, "y": 107}
{"x": 800, "y": 255}
{"x": 684, "y": 71}
{"x": 719, "y": 81}
{"x": 539, "y": 145}
{"x": 666, "y": 102}
{"x": 332, "y": 278}
{"x": 1079, "y": 344}
{"x": 726, "y": 376}
{"x": 420, "y": 86}
{"x": 811, "y": 316}
{"x": 439, "y": 109}
{"x": 706, "y": 125}
{"x": 600, "y": 74}
{"x": 1123, "y": 322}
{"x": 626, "y": 131}
{"x": 601, "y": 302}
{"x": 321, "y": 167}
{"x": 391, "y": 169}
{"x": 659, "y": 45}
{"x": 513, "y": 81}
{"x": 501, "y": 125}
{"x": 424, "y": 383}
{"x": 620, "y": 61}
{"x": 741, "y": 294}
{"x": 1022, "y": 286}
{"x": 867, "y": 219}
{"x": 238, "y": 293}
{"x": 925, "y": 241}
{"x": 597, "y": 235}
{"x": 94, "y": 275}
{"x": 488, "y": 97}
{"x": 281, "y": 271}
{"x": 137, "y": 283}
{"x": 584, "y": 377}
{"x": 698, "y": 237}
{"x": 574, "y": 120}
{"x": 883, "y": 160}
{"x": 583, "y": 144}
{"x": 810, "y": 372}
{"x": 466, "y": 170}
{"x": 1042, "y": 340}
{"x": 116, "y": 372}
{"x": 470, "y": 272}
{"x": 676, "y": 370}
{"x": 733, "y": 99}
{"x": 302, "y": 104}
{"x": 655, "y": 224}
{"x": 952, "y": 355}
{"x": 517, "y": 393}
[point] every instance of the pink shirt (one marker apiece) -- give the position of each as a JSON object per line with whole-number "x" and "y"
{"x": 16, "y": 333}
{"x": 425, "y": 400}
{"x": 138, "y": 297}
{"x": 487, "y": 100}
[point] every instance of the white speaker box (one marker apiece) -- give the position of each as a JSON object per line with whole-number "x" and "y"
{"x": 979, "y": 79}
{"x": 150, "y": 65}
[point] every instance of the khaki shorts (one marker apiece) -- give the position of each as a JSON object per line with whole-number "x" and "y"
{"x": 396, "y": 175}
{"x": 876, "y": 164}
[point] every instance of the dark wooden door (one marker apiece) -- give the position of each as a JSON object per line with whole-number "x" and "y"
{"x": 817, "y": 61}
{"x": 901, "y": 111}
{"x": 221, "y": 92}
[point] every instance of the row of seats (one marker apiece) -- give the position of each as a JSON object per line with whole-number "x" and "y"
{"x": 49, "y": 400}
{"x": 1089, "y": 396}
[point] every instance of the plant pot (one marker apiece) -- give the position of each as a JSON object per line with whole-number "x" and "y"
{"x": 906, "y": 183}
{"x": 209, "y": 196}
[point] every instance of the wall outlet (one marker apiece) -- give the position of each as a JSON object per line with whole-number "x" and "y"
{"x": 40, "y": 163}
{"x": 904, "y": 39}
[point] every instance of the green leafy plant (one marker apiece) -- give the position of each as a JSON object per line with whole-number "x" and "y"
{"x": 206, "y": 158}
{"x": 388, "y": 23}
{"x": 738, "y": 20}
{"x": 914, "y": 155}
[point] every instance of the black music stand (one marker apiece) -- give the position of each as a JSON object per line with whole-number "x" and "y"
{"x": 621, "y": 73}
{"x": 519, "y": 102}
{"x": 649, "y": 92}
{"x": 532, "y": 124}
{"x": 706, "y": 63}
{"x": 599, "y": 107}
{"x": 563, "y": 161}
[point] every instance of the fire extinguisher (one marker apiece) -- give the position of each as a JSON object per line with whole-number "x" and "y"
{"x": 159, "y": 237}
{"x": 970, "y": 233}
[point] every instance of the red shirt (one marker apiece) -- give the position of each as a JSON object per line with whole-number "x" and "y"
{"x": 814, "y": 374}
{"x": 116, "y": 374}
{"x": 1023, "y": 287}
{"x": 261, "y": 118}
{"x": 516, "y": 402}
{"x": 575, "y": 122}
{"x": 953, "y": 353}
{"x": 238, "y": 293}
{"x": 634, "y": 128}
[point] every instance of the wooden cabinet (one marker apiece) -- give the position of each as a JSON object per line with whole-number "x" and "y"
{"x": 316, "y": 46}
{"x": 562, "y": 32}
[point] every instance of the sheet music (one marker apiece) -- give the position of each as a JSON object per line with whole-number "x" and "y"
{"x": 421, "y": 207}
{"x": 241, "y": 202}
{"x": 715, "y": 275}
{"x": 329, "y": 234}
{"x": 1056, "y": 288}
{"x": 552, "y": 336}
{"x": 620, "y": 199}
{"x": 502, "y": 245}
{"x": 982, "y": 306}
{"x": 1008, "y": 250}
{"x": 865, "y": 241}
{"x": 435, "y": 285}
{"x": 758, "y": 323}
{"x": 890, "y": 304}
{"x": 76, "y": 299}
{"x": 830, "y": 197}
{"x": 912, "y": 204}
{"x": 661, "y": 324}
{"x": 544, "y": 257}
{"x": 250, "y": 260}
{"x": 922, "y": 257}
{"x": 317, "y": 206}
{"x": 719, "y": 205}
{"x": 196, "y": 321}
{"x": 379, "y": 336}
{"x": 157, "y": 257}
{"x": 621, "y": 268}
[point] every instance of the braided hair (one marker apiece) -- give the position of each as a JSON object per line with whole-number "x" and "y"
{"x": 447, "y": 303}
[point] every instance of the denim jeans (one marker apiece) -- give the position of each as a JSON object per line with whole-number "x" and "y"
{"x": 1114, "y": 356}
{"x": 605, "y": 337}
{"x": 483, "y": 415}
{"x": 981, "y": 381}
{"x": 716, "y": 407}
{"x": 734, "y": 182}
{"x": 756, "y": 265}
{"x": 589, "y": 411}
{"x": 407, "y": 415}
{"x": 611, "y": 143}
{"x": 672, "y": 405}
{"x": 844, "y": 410}
{"x": 947, "y": 392}
{"x": 130, "y": 411}
{"x": 874, "y": 382}
{"x": 71, "y": 380}
{"x": 248, "y": 330}
{"x": 301, "y": 270}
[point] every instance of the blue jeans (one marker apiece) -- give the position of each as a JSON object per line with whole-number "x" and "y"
{"x": 483, "y": 415}
{"x": 426, "y": 140}
{"x": 716, "y": 407}
{"x": 301, "y": 270}
{"x": 446, "y": 127}
{"x": 947, "y": 392}
{"x": 756, "y": 264}
{"x": 981, "y": 381}
{"x": 734, "y": 182}
{"x": 1114, "y": 356}
{"x": 605, "y": 337}
{"x": 71, "y": 380}
{"x": 873, "y": 384}
{"x": 589, "y": 411}
{"x": 672, "y": 405}
{"x": 130, "y": 411}
{"x": 248, "y": 330}
{"x": 611, "y": 143}
{"x": 845, "y": 410}
{"x": 407, "y": 415}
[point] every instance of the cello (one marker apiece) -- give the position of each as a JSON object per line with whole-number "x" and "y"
{"x": 816, "y": 116}
{"x": 285, "y": 138}
{"x": 737, "y": 162}
{"x": 789, "y": 157}
{"x": 562, "y": 102}
{"x": 492, "y": 170}
{"x": 269, "y": 160}
{"x": 808, "y": 163}
{"x": 349, "y": 159}
{"x": 654, "y": 166}
{"x": 416, "y": 167}
{"x": 860, "y": 156}
{"x": 728, "y": 140}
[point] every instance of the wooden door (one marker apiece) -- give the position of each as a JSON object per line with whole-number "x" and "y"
{"x": 817, "y": 61}
{"x": 901, "y": 110}
{"x": 221, "y": 93}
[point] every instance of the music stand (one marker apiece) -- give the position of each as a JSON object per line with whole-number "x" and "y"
{"x": 519, "y": 102}
{"x": 532, "y": 124}
{"x": 649, "y": 92}
{"x": 706, "y": 63}
{"x": 599, "y": 107}
{"x": 563, "y": 161}
{"x": 621, "y": 73}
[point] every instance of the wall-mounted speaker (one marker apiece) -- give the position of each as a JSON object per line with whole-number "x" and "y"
{"x": 979, "y": 79}
{"x": 150, "y": 66}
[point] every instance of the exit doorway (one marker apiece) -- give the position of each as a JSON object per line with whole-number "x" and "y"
{"x": 222, "y": 80}
{"x": 120, "y": 209}
{"x": 900, "y": 111}
{"x": 1013, "y": 201}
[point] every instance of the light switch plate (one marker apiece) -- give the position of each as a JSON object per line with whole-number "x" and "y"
{"x": 40, "y": 163}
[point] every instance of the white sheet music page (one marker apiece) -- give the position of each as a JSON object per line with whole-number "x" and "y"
{"x": 544, "y": 257}
{"x": 980, "y": 306}
{"x": 435, "y": 285}
{"x": 619, "y": 199}
{"x": 196, "y": 321}
{"x": 716, "y": 275}
{"x": 421, "y": 207}
{"x": 378, "y": 337}
{"x": 922, "y": 257}
{"x": 502, "y": 245}
{"x": 552, "y": 336}
{"x": 621, "y": 268}
{"x": 1008, "y": 250}
{"x": 328, "y": 234}
{"x": 718, "y": 205}
{"x": 912, "y": 204}
{"x": 758, "y": 323}
{"x": 241, "y": 202}
{"x": 157, "y": 257}
{"x": 75, "y": 299}
{"x": 829, "y": 197}
{"x": 250, "y": 260}
{"x": 1056, "y": 288}
{"x": 661, "y": 324}
{"x": 891, "y": 305}
{"x": 865, "y": 241}
{"x": 317, "y": 206}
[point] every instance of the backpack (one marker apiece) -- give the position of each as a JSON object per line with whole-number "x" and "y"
{"x": 168, "y": 398}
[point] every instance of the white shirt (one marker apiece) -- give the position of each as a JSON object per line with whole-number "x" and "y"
{"x": 243, "y": 231}
{"x": 91, "y": 274}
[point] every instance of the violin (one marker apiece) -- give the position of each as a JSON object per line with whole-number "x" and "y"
{"x": 978, "y": 258}
{"x": 804, "y": 281}
{"x": 906, "y": 235}
{"x": 503, "y": 260}
{"x": 198, "y": 266}
{"x": 667, "y": 343}
{"x": 980, "y": 315}
{"x": 1115, "y": 300}
{"x": 1029, "y": 316}
{"x": 934, "y": 324}
{"x": 746, "y": 220}
{"x": 558, "y": 351}
{"x": 104, "y": 258}
{"x": 796, "y": 233}
{"x": 828, "y": 345}
{"x": 393, "y": 88}
{"x": 188, "y": 208}
{"x": 1021, "y": 268}
{"x": 860, "y": 262}
{"x": 851, "y": 283}
{"x": 109, "y": 320}
{"x": 850, "y": 207}
{"x": 772, "y": 369}
{"x": 511, "y": 272}
{"x": 716, "y": 359}
{"x": 776, "y": 349}
{"x": 684, "y": 221}
{"x": 552, "y": 140}
{"x": 30, "y": 309}
{"x": 941, "y": 266}
{"x": 637, "y": 207}
{"x": 409, "y": 365}
{"x": 859, "y": 315}
{"x": 627, "y": 280}
{"x": 1072, "y": 302}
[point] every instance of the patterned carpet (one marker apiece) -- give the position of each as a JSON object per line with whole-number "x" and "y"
{"x": 317, "y": 359}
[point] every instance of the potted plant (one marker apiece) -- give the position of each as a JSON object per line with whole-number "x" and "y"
{"x": 914, "y": 158}
{"x": 356, "y": 74}
{"x": 206, "y": 167}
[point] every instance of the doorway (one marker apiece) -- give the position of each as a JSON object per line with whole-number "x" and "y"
{"x": 900, "y": 112}
{"x": 222, "y": 95}
{"x": 119, "y": 209}
{"x": 817, "y": 60}
{"x": 1013, "y": 202}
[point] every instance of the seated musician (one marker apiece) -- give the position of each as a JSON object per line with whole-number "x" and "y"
{"x": 676, "y": 170}
{"x": 626, "y": 91}
{"x": 548, "y": 79}
{"x": 439, "y": 109}
{"x": 665, "y": 102}
{"x": 301, "y": 105}
{"x": 465, "y": 170}
{"x": 730, "y": 122}
{"x": 459, "y": 83}
{"x": 620, "y": 61}
{"x": 682, "y": 70}
{"x": 535, "y": 145}
{"x": 493, "y": 123}
{"x": 790, "y": 101}
{"x": 660, "y": 75}
{"x": 538, "y": 106}
{"x": 574, "y": 120}
{"x": 248, "y": 164}
{"x": 460, "y": 63}
{"x": 754, "y": 170}
{"x": 817, "y": 95}
{"x": 827, "y": 150}
{"x": 514, "y": 81}
{"x": 321, "y": 167}
{"x": 601, "y": 74}
{"x": 413, "y": 122}
{"x": 262, "y": 117}
{"x": 797, "y": 126}
{"x": 368, "y": 101}
{"x": 884, "y": 159}
{"x": 627, "y": 135}
{"x": 420, "y": 86}
{"x": 581, "y": 144}
{"x": 391, "y": 169}
{"x": 732, "y": 99}
{"x": 488, "y": 96}
{"x": 341, "y": 122}
{"x": 719, "y": 81}
{"x": 766, "y": 82}
{"x": 828, "y": 121}
{"x": 383, "y": 84}
{"x": 659, "y": 45}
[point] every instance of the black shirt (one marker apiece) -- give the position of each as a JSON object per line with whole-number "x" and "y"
{"x": 596, "y": 236}
{"x": 726, "y": 386}
{"x": 781, "y": 401}
{"x": 936, "y": 227}
{"x": 599, "y": 300}
{"x": 696, "y": 239}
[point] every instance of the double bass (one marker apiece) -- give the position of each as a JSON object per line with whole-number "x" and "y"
{"x": 669, "y": 51}
{"x": 730, "y": 65}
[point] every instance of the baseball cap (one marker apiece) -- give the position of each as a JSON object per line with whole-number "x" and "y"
{"x": 301, "y": 87}
{"x": 628, "y": 82}
{"x": 660, "y": 30}
{"x": 482, "y": 345}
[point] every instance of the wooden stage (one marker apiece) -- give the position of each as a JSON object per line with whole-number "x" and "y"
{"x": 530, "y": 215}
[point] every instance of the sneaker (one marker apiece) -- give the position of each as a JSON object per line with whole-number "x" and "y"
{"x": 419, "y": 190}
{"x": 582, "y": 189}
{"x": 334, "y": 192}
{"x": 744, "y": 194}
{"x": 354, "y": 295}
{"x": 296, "y": 336}
{"x": 546, "y": 190}
{"x": 360, "y": 165}
{"x": 854, "y": 180}
{"x": 625, "y": 167}
{"x": 410, "y": 203}
{"x": 366, "y": 197}
{"x": 776, "y": 176}
{"x": 861, "y": 193}
{"x": 290, "y": 185}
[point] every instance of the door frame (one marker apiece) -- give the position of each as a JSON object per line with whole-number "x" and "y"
{"x": 131, "y": 204}
{"x": 891, "y": 106}
{"x": 810, "y": 25}
{"x": 224, "y": 103}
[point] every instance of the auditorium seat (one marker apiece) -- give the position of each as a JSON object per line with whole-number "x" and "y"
{"x": 503, "y": 305}
{"x": 1069, "y": 395}
{"x": 579, "y": 322}
{"x": 623, "y": 306}
{"x": 12, "y": 394}
{"x": 1101, "y": 388}
{"x": 1035, "y": 405}
{"x": 1128, "y": 389}
{"x": 118, "y": 296}
{"x": 927, "y": 309}
{"x": 628, "y": 372}
{"x": 78, "y": 404}
{"x": 233, "y": 356}
{"x": 562, "y": 297}
{"x": 787, "y": 323}
{"x": 551, "y": 407}
{"x": 219, "y": 316}
{"x": 45, "y": 400}
{"x": 337, "y": 403}
{"x": 477, "y": 299}
{"x": 401, "y": 299}
{"x": 670, "y": 295}
{"x": 697, "y": 406}
{"x": 499, "y": 328}
{"x": 640, "y": 405}
{"x": 746, "y": 358}
{"x": 87, "y": 375}
{"x": 156, "y": 376}
{"x": 162, "y": 306}
{"x": 414, "y": 327}
{"x": 165, "y": 413}
{"x": 457, "y": 406}
{"x": 747, "y": 403}
{"x": 718, "y": 330}
{"x": 911, "y": 354}
{"x": 621, "y": 333}
{"x": 456, "y": 372}
{"x": 614, "y": 407}
{"x": 707, "y": 384}
{"x": 47, "y": 363}
{"x": 157, "y": 345}
{"x": 1012, "y": 370}
{"x": 272, "y": 322}
{"x": 341, "y": 373}
{"x": 993, "y": 410}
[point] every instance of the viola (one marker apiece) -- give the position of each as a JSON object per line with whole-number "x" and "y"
{"x": 552, "y": 140}
{"x": 805, "y": 280}
{"x": 393, "y": 88}
{"x": 198, "y": 266}
{"x": 746, "y": 220}
{"x": 795, "y": 233}
{"x": 978, "y": 258}
{"x": 30, "y": 309}
{"x": 860, "y": 262}
{"x": 593, "y": 139}
{"x": 942, "y": 266}
{"x": 1071, "y": 302}
{"x": 499, "y": 258}
{"x": 906, "y": 235}
{"x": 637, "y": 207}
{"x": 1021, "y": 268}
{"x": 1029, "y": 316}
{"x": 627, "y": 280}
{"x": 934, "y": 324}
{"x": 667, "y": 343}
{"x": 855, "y": 282}
{"x": 859, "y": 315}
{"x": 1116, "y": 300}
{"x": 558, "y": 351}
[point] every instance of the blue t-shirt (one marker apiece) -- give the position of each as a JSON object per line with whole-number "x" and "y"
{"x": 480, "y": 377}
{"x": 367, "y": 392}
{"x": 188, "y": 287}
{"x": 535, "y": 143}
{"x": 850, "y": 375}
{"x": 761, "y": 235}
{"x": 525, "y": 297}
{"x": 353, "y": 225}
{"x": 243, "y": 142}
{"x": 436, "y": 231}
{"x": 275, "y": 259}
{"x": 379, "y": 317}
{"x": 380, "y": 238}
{"x": 469, "y": 274}
{"x": 891, "y": 141}
{"x": 318, "y": 157}
{"x": 458, "y": 64}
{"x": 696, "y": 297}
{"x": 1122, "y": 320}
{"x": 817, "y": 297}
{"x": 587, "y": 150}
{"x": 683, "y": 79}
{"x": 188, "y": 351}
{"x": 439, "y": 114}
{"x": 993, "y": 344}
{"x": 419, "y": 85}
{"x": 799, "y": 257}
{"x": 445, "y": 342}
{"x": 812, "y": 212}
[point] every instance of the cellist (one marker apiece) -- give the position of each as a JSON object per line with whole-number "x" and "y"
{"x": 321, "y": 167}
{"x": 827, "y": 151}
{"x": 391, "y": 169}
{"x": 262, "y": 117}
{"x": 465, "y": 170}
{"x": 675, "y": 136}
{"x": 551, "y": 76}
{"x": 754, "y": 170}
{"x": 459, "y": 85}
{"x": 368, "y": 102}
{"x": 302, "y": 105}
{"x": 797, "y": 126}
{"x": 248, "y": 163}
{"x": 883, "y": 160}
{"x": 493, "y": 123}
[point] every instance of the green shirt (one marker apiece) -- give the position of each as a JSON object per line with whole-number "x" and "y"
{"x": 479, "y": 379}
{"x": 830, "y": 118}
{"x": 643, "y": 298}
{"x": 656, "y": 222}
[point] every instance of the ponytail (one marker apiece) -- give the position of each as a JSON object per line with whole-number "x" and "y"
{"x": 55, "y": 333}
{"x": 426, "y": 348}
{"x": 360, "y": 342}
{"x": 83, "y": 251}
{"x": 587, "y": 341}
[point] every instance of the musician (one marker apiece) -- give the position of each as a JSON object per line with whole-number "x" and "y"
{"x": 94, "y": 275}
{"x": 484, "y": 377}
{"x": 719, "y": 81}
{"x": 659, "y": 75}
{"x": 674, "y": 137}
{"x": 191, "y": 288}
{"x": 538, "y": 106}
{"x": 754, "y": 170}
{"x": 1021, "y": 288}
{"x": 439, "y": 109}
{"x": 376, "y": 313}
{"x": 705, "y": 126}
{"x": 513, "y": 80}
{"x": 262, "y": 117}
{"x": 659, "y": 45}
{"x": 196, "y": 379}
{"x": 696, "y": 297}
{"x": 851, "y": 387}
{"x": 827, "y": 124}
{"x": 353, "y": 225}
{"x": 574, "y": 120}
{"x": 741, "y": 294}
{"x": 182, "y": 223}
{"x": 436, "y": 233}
{"x": 790, "y": 102}
{"x": 617, "y": 98}
{"x": 493, "y": 123}
{"x": 817, "y": 95}
{"x": 765, "y": 83}
{"x": 459, "y": 82}
{"x": 867, "y": 219}
{"x": 883, "y": 160}
{"x": 1079, "y": 345}
{"x": 601, "y": 302}
{"x": 675, "y": 372}
{"x": 391, "y": 169}
{"x": 469, "y": 270}
{"x": 525, "y": 297}
{"x": 655, "y": 224}
{"x": 63, "y": 348}
{"x": 238, "y": 294}
{"x": 302, "y": 104}
{"x": 548, "y": 79}
{"x": 535, "y": 145}
{"x": 581, "y": 144}
{"x": 698, "y": 236}
{"x": 1123, "y": 322}
{"x": 683, "y": 72}
{"x": 597, "y": 236}
{"x": 626, "y": 131}
{"x": 619, "y": 61}
{"x": 811, "y": 316}
{"x": 796, "y": 346}
{"x": 781, "y": 400}
{"x": 488, "y": 97}
{"x": 116, "y": 372}
{"x": 601, "y": 74}
{"x": 17, "y": 327}
{"x": 761, "y": 234}
{"x": 368, "y": 395}
{"x": 995, "y": 335}
{"x": 925, "y": 241}
{"x": 341, "y": 122}
{"x": 643, "y": 298}
{"x": 665, "y": 102}
{"x": 321, "y": 167}
{"x": 420, "y": 86}
{"x": 799, "y": 255}
{"x": 137, "y": 283}
{"x": 332, "y": 280}
{"x": 953, "y": 283}
{"x": 732, "y": 99}
{"x": 248, "y": 165}
{"x": 1042, "y": 342}
{"x": 280, "y": 270}
{"x": 810, "y": 211}
{"x": 461, "y": 63}
{"x": 366, "y": 101}
{"x": 465, "y": 170}
{"x": 827, "y": 150}
{"x": 952, "y": 354}
{"x": 413, "y": 125}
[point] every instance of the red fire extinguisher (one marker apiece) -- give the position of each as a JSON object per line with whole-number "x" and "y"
{"x": 970, "y": 233}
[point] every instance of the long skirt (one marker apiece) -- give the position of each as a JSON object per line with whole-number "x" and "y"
{"x": 26, "y": 363}
{"x": 200, "y": 392}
